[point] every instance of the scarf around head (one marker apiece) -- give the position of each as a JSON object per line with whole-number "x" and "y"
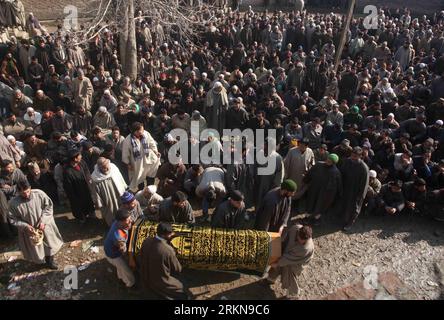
{"x": 212, "y": 94}
{"x": 114, "y": 173}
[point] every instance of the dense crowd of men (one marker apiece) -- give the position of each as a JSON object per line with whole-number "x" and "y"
{"x": 367, "y": 137}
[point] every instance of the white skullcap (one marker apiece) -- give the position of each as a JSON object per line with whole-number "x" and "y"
{"x": 391, "y": 115}
{"x": 439, "y": 122}
{"x": 169, "y": 137}
{"x": 372, "y": 174}
{"x": 107, "y": 92}
{"x": 102, "y": 109}
{"x": 204, "y": 74}
{"x": 217, "y": 84}
{"x": 30, "y": 109}
{"x": 67, "y": 78}
{"x": 305, "y": 94}
{"x": 95, "y": 79}
{"x": 152, "y": 189}
{"x": 10, "y": 138}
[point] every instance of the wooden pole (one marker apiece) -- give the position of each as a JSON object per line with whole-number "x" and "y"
{"x": 344, "y": 33}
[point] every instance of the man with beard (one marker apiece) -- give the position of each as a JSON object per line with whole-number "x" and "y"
{"x": 355, "y": 181}
{"x": 266, "y": 182}
{"x": 391, "y": 199}
{"x": 239, "y": 176}
{"x": 415, "y": 195}
{"x": 131, "y": 205}
{"x": 82, "y": 121}
{"x": 274, "y": 212}
{"x": 297, "y": 163}
{"x": 324, "y": 186}
{"x": 110, "y": 186}
{"x": 32, "y": 210}
{"x": 176, "y": 209}
{"x": 76, "y": 183}
{"x": 216, "y": 107}
{"x": 139, "y": 153}
{"x": 83, "y": 90}
{"x": 231, "y": 213}
{"x": 237, "y": 116}
{"x": 9, "y": 178}
{"x": 61, "y": 122}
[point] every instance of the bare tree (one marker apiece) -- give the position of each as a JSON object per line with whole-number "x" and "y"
{"x": 173, "y": 20}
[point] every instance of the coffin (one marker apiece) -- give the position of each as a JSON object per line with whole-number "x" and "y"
{"x": 245, "y": 251}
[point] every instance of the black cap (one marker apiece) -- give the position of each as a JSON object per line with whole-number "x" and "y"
{"x": 164, "y": 228}
{"x": 236, "y": 195}
{"x": 87, "y": 144}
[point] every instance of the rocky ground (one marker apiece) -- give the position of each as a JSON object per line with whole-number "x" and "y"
{"x": 404, "y": 250}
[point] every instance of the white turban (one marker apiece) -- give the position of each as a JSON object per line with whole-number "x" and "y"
{"x": 372, "y": 174}
{"x": 217, "y": 84}
{"x": 152, "y": 189}
{"x": 102, "y": 109}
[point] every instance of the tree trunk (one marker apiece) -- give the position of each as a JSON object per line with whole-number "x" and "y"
{"x": 128, "y": 47}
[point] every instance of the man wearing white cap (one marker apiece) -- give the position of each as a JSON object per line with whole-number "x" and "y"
{"x": 390, "y": 122}
{"x": 149, "y": 200}
{"x": 104, "y": 120}
{"x": 32, "y": 118}
{"x": 216, "y": 107}
{"x": 435, "y": 131}
{"x": 374, "y": 187}
{"x": 110, "y": 186}
{"x": 108, "y": 101}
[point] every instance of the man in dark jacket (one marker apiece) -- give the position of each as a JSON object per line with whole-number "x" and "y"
{"x": 230, "y": 214}
{"x": 355, "y": 178}
{"x": 176, "y": 209}
{"x": 391, "y": 200}
{"x": 159, "y": 264}
{"x": 274, "y": 212}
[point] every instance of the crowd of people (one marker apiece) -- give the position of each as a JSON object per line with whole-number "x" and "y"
{"x": 366, "y": 136}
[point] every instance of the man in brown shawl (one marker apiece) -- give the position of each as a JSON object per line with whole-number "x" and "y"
{"x": 158, "y": 265}
{"x": 83, "y": 90}
{"x": 216, "y": 107}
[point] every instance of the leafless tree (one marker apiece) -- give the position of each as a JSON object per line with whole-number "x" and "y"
{"x": 173, "y": 20}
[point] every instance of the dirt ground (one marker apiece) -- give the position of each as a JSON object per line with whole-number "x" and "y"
{"x": 408, "y": 247}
